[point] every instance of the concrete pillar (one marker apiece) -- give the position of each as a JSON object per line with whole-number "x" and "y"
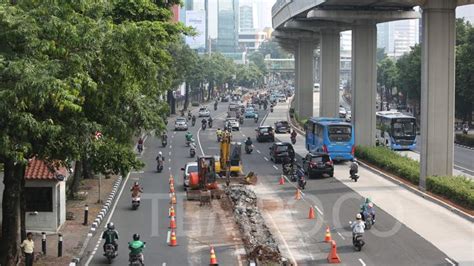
{"x": 437, "y": 88}
{"x": 364, "y": 78}
{"x": 330, "y": 67}
{"x": 297, "y": 86}
{"x": 305, "y": 76}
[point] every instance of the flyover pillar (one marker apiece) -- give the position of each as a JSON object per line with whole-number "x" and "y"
{"x": 330, "y": 67}
{"x": 305, "y": 77}
{"x": 364, "y": 76}
{"x": 437, "y": 88}
{"x": 297, "y": 86}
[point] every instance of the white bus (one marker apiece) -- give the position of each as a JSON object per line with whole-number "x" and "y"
{"x": 396, "y": 130}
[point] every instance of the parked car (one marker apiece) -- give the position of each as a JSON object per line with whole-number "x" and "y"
{"x": 180, "y": 124}
{"x": 188, "y": 168}
{"x": 281, "y": 150}
{"x": 204, "y": 112}
{"x": 282, "y": 127}
{"x": 265, "y": 133}
{"x": 317, "y": 164}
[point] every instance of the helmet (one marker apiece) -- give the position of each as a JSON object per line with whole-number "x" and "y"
{"x": 358, "y": 216}
{"x": 248, "y": 138}
{"x": 136, "y": 183}
{"x": 354, "y": 160}
{"x": 136, "y": 237}
{"x": 110, "y": 226}
{"x": 159, "y": 153}
{"x": 371, "y": 205}
{"x": 218, "y": 129}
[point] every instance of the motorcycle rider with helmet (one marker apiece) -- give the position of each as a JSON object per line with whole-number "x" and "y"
{"x": 111, "y": 236}
{"x": 136, "y": 248}
{"x": 357, "y": 226}
{"x": 248, "y": 144}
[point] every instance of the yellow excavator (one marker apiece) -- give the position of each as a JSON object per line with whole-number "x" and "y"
{"x": 230, "y": 158}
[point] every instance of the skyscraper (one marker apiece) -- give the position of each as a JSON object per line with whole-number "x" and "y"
{"x": 228, "y": 29}
{"x": 246, "y": 18}
{"x": 403, "y": 34}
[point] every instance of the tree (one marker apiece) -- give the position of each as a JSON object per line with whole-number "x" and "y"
{"x": 380, "y": 54}
{"x": 464, "y": 74}
{"x": 273, "y": 49}
{"x": 409, "y": 76}
{"x": 387, "y": 73}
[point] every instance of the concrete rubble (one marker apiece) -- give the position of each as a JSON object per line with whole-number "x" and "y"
{"x": 259, "y": 242}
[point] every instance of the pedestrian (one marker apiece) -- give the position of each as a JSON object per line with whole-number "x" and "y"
{"x": 28, "y": 246}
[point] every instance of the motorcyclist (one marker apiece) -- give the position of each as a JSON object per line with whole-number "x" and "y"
{"x": 164, "y": 137}
{"x": 193, "y": 120}
{"x": 192, "y": 148}
{"x": 354, "y": 168}
{"x": 248, "y": 144}
{"x": 160, "y": 158}
{"x": 204, "y": 122}
{"x": 136, "y": 247}
{"x": 111, "y": 236}
{"x": 189, "y": 136}
{"x": 189, "y": 114}
{"x": 209, "y": 121}
{"x": 357, "y": 226}
{"x": 368, "y": 208}
{"x": 140, "y": 144}
{"x": 255, "y": 118}
{"x": 293, "y": 136}
{"x": 136, "y": 190}
{"x": 219, "y": 134}
{"x": 300, "y": 174}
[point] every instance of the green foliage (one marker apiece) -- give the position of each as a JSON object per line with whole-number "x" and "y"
{"x": 195, "y": 104}
{"x": 273, "y": 49}
{"x": 390, "y": 161}
{"x": 249, "y": 76}
{"x": 458, "y": 189}
{"x": 409, "y": 74}
{"x": 465, "y": 139}
{"x": 464, "y": 66}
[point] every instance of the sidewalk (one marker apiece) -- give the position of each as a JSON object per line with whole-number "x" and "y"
{"x": 447, "y": 231}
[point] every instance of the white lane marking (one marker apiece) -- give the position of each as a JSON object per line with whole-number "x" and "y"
{"x": 341, "y": 235}
{"x": 274, "y": 166}
{"x": 362, "y": 262}
{"x": 169, "y": 153}
{"x": 137, "y": 172}
{"x": 168, "y": 237}
{"x": 243, "y": 135}
{"x": 450, "y": 261}
{"x": 95, "y": 249}
{"x": 266, "y": 159}
{"x": 283, "y": 239}
{"x": 111, "y": 213}
{"x": 164, "y": 264}
{"x": 171, "y": 146}
{"x": 258, "y": 151}
{"x": 199, "y": 141}
{"x": 318, "y": 210}
{"x": 169, "y": 160}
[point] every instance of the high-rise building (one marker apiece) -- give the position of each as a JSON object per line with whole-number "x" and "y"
{"x": 382, "y": 35}
{"x": 228, "y": 26}
{"x": 403, "y": 34}
{"x": 246, "y": 19}
{"x": 194, "y": 14}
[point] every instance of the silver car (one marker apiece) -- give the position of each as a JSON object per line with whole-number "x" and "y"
{"x": 180, "y": 124}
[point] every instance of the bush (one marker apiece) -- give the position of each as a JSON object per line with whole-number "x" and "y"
{"x": 465, "y": 139}
{"x": 195, "y": 104}
{"x": 391, "y": 161}
{"x": 455, "y": 188}
{"x": 458, "y": 189}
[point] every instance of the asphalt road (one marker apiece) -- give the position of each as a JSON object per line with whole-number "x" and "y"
{"x": 151, "y": 220}
{"x": 404, "y": 247}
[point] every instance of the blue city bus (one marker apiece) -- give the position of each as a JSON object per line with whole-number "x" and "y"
{"x": 396, "y": 130}
{"x": 331, "y": 135}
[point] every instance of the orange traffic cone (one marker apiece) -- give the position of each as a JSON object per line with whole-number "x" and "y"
{"x": 311, "y": 213}
{"x": 171, "y": 212}
{"x": 327, "y": 238}
{"x": 172, "y": 223}
{"x": 173, "y": 242}
{"x": 173, "y": 198}
{"x": 333, "y": 257}
{"x": 282, "y": 180}
{"x": 171, "y": 188}
{"x": 171, "y": 180}
{"x": 213, "y": 257}
{"x": 298, "y": 194}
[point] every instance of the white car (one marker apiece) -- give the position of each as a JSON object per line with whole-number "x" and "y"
{"x": 203, "y": 111}
{"x": 234, "y": 124}
{"x": 188, "y": 168}
{"x": 342, "y": 112}
{"x": 180, "y": 124}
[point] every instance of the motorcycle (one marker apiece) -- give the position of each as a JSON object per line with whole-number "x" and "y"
{"x": 354, "y": 177}
{"x": 215, "y": 107}
{"x": 248, "y": 149}
{"x": 219, "y": 138}
{"x": 164, "y": 142}
{"x": 271, "y": 109}
{"x": 241, "y": 120}
{"x": 188, "y": 142}
{"x": 358, "y": 242}
{"x": 301, "y": 183}
{"x": 369, "y": 220}
{"x": 289, "y": 171}
{"x": 204, "y": 126}
{"x": 110, "y": 252}
{"x": 159, "y": 167}
{"x": 193, "y": 122}
{"x": 135, "y": 203}
{"x": 209, "y": 123}
{"x": 192, "y": 152}
{"x": 135, "y": 260}
{"x": 255, "y": 119}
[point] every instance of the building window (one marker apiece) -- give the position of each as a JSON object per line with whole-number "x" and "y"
{"x": 39, "y": 199}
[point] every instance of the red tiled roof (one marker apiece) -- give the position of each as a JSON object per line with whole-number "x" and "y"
{"x": 40, "y": 170}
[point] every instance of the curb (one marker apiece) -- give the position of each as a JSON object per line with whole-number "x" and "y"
{"x": 464, "y": 146}
{"x": 418, "y": 192}
{"x": 97, "y": 221}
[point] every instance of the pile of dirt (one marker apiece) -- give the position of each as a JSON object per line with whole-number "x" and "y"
{"x": 259, "y": 242}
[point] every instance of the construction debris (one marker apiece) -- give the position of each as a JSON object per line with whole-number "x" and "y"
{"x": 258, "y": 240}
